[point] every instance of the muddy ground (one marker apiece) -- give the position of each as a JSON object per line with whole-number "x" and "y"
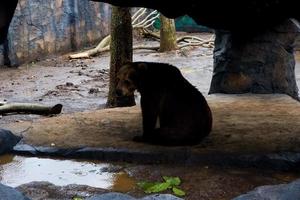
{"x": 82, "y": 85}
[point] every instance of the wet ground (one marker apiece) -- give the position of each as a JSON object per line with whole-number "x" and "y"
{"x": 82, "y": 85}
{"x": 18, "y": 170}
{"x": 199, "y": 182}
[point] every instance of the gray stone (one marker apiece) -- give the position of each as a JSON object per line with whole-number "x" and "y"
{"x": 276, "y": 192}
{"x": 161, "y": 197}
{"x": 48, "y": 191}
{"x": 7, "y": 141}
{"x": 9, "y": 193}
{"x": 112, "y": 196}
{"x": 120, "y": 196}
{"x": 297, "y": 43}
{"x": 261, "y": 63}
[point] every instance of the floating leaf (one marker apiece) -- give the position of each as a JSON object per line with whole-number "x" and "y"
{"x": 173, "y": 181}
{"x": 159, "y": 187}
{"x": 178, "y": 192}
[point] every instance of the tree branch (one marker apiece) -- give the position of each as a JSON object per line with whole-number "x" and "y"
{"x": 146, "y": 21}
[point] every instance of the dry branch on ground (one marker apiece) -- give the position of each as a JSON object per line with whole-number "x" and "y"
{"x": 29, "y": 108}
{"x": 143, "y": 23}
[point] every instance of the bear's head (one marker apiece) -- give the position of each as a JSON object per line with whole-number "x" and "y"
{"x": 129, "y": 78}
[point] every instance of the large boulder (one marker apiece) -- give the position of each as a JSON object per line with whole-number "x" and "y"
{"x": 112, "y": 196}
{"x": 226, "y": 14}
{"x": 48, "y": 191}
{"x": 7, "y": 141}
{"x": 276, "y": 192}
{"x": 240, "y": 16}
{"x": 9, "y": 193}
{"x": 120, "y": 196}
{"x": 263, "y": 63}
{"x": 161, "y": 197}
{"x": 297, "y": 46}
{"x": 7, "y": 10}
{"x": 40, "y": 28}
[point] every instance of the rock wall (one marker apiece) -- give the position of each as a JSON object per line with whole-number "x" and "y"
{"x": 42, "y": 27}
{"x": 297, "y": 46}
{"x": 261, "y": 64}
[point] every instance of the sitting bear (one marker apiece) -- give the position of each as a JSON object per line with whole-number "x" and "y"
{"x": 174, "y": 112}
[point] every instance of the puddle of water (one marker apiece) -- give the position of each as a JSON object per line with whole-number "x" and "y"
{"x": 122, "y": 182}
{"x": 18, "y": 170}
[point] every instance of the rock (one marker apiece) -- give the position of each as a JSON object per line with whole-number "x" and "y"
{"x": 112, "y": 196}
{"x": 40, "y": 28}
{"x": 7, "y": 141}
{"x": 48, "y": 191}
{"x": 120, "y": 196}
{"x": 274, "y": 192}
{"x": 9, "y": 193}
{"x": 260, "y": 64}
{"x": 245, "y": 16}
{"x": 297, "y": 43}
{"x": 7, "y": 11}
{"x": 252, "y": 13}
{"x": 161, "y": 197}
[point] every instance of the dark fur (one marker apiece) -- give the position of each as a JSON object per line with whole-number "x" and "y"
{"x": 184, "y": 115}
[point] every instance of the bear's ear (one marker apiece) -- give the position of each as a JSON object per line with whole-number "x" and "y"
{"x": 142, "y": 66}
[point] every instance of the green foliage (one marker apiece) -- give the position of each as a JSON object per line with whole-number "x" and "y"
{"x": 145, "y": 185}
{"x": 173, "y": 181}
{"x": 156, "y": 187}
{"x": 178, "y": 192}
{"x": 159, "y": 187}
{"x": 77, "y": 198}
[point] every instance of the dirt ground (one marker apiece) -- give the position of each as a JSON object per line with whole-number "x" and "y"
{"x": 83, "y": 84}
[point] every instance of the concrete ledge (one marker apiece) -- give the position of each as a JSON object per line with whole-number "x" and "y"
{"x": 248, "y": 130}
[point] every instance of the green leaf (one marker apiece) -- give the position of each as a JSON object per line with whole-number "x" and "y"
{"x": 77, "y": 198}
{"x": 178, "y": 192}
{"x": 145, "y": 185}
{"x": 173, "y": 181}
{"x": 159, "y": 187}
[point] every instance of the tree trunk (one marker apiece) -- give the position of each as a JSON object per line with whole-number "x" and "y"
{"x": 120, "y": 52}
{"x": 167, "y": 34}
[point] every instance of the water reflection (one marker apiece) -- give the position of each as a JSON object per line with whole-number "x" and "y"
{"x": 17, "y": 170}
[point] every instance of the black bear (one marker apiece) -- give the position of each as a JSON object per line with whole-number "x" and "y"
{"x": 174, "y": 112}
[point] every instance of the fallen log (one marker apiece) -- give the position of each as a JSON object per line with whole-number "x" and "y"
{"x": 29, "y": 108}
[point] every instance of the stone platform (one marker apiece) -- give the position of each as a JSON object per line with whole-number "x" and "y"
{"x": 248, "y": 130}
